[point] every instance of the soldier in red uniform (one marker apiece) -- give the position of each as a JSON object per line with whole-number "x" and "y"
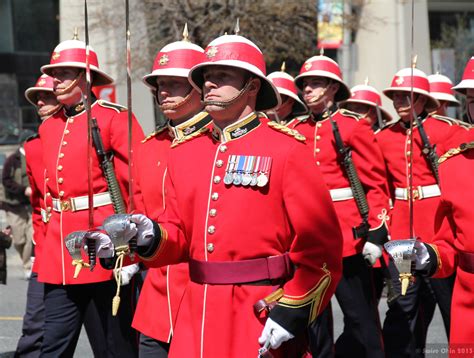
{"x": 366, "y": 101}
{"x": 64, "y": 139}
{"x": 322, "y": 86}
{"x": 451, "y": 250}
{"x": 244, "y": 208}
{"x": 399, "y": 326}
{"x": 466, "y": 88}
{"x": 292, "y": 108}
{"x": 163, "y": 290}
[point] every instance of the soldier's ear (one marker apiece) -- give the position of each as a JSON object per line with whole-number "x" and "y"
{"x": 255, "y": 85}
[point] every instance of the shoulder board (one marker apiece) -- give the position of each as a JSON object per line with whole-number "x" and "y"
{"x": 445, "y": 119}
{"x": 346, "y": 112}
{"x": 154, "y": 134}
{"x": 284, "y": 129}
{"x": 115, "y": 106}
{"x": 189, "y": 137}
{"x": 455, "y": 151}
{"x": 31, "y": 137}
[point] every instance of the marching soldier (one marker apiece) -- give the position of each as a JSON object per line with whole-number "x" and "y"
{"x": 292, "y": 107}
{"x": 366, "y": 101}
{"x": 441, "y": 89}
{"x": 333, "y": 132}
{"x": 430, "y": 134}
{"x": 466, "y": 88}
{"x": 248, "y": 213}
{"x": 163, "y": 290}
{"x": 64, "y": 142}
{"x": 452, "y": 249}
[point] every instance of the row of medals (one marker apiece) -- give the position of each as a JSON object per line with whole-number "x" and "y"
{"x": 252, "y": 177}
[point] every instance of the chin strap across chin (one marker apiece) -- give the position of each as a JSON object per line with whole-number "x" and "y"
{"x": 49, "y": 113}
{"x": 225, "y": 104}
{"x": 70, "y": 87}
{"x": 318, "y": 97}
{"x": 173, "y": 106}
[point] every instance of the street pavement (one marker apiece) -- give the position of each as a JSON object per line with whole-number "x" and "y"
{"x": 13, "y": 299}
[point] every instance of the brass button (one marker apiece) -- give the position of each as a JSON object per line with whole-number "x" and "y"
{"x": 318, "y": 163}
{"x": 211, "y": 229}
{"x": 219, "y": 163}
{"x": 217, "y": 179}
{"x": 60, "y": 180}
{"x": 215, "y": 196}
{"x": 61, "y": 193}
{"x": 48, "y": 209}
{"x": 408, "y": 141}
{"x": 223, "y": 148}
{"x": 48, "y": 194}
{"x": 71, "y": 120}
{"x": 318, "y": 137}
{"x": 319, "y": 125}
{"x": 317, "y": 150}
{"x": 210, "y": 247}
{"x": 66, "y": 131}
{"x": 60, "y": 167}
{"x": 408, "y": 153}
{"x": 212, "y": 212}
{"x": 64, "y": 143}
{"x": 61, "y": 155}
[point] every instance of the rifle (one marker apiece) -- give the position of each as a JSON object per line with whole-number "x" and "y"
{"x": 428, "y": 150}
{"x": 361, "y": 231}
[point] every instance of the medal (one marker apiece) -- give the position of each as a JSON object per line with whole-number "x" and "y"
{"x": 228, "y": 177}
{"x": 253, "y": 182}
{"x": 264, "y": 174}
{"x": 262, "y": 180}
{"x": 240, "y": 166}
{"x": 247, "y": 177}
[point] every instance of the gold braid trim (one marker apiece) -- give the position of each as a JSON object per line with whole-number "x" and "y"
{"x": 159, "y": 249}
{"x": 349, "y": 113}
{"x": 184, "y": 139}
{"x": 455, "y": 151}
{"x": 153, "y": 134}
{"x": 313, "y": 298}
{"x": 284, "y": 129}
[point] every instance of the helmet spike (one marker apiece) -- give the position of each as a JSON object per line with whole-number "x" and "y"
{"x": 237, "y": 27}
{"x": 186, "y": 33}
{"x": 75, "y": 35}
{"x": 413, "y": 63}
{"x": 283, "y": 67}
{"x": 321, "y": 51}
{"x": 366, "y": 82}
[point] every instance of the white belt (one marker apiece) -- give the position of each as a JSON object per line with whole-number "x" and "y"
{"x": 341, "y": 194}
{"x": 419, "y": 192}
{"x": 81, "y": 202}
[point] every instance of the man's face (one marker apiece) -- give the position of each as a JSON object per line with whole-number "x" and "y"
{"x": 401, "y": 103}
{"x": 283, "y": 111}
{"x": 365, "y": 110}
{"x": 314, "y": 89}
{"x": 470, "y": 103}
{"x": 171, "y": 91}
{"x": 63, "y": 78}
{"x": 46, "y": 103}
{"x": 222, "y": 84}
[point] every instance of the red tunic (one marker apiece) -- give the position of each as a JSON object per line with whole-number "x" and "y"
{"x": 394, "y": 142}
{"x": 163, "y": 289}
{"x": 357, "y": 135}
{"x": 64, "y": 139}
{"x": 455, "y": 233}
{"x": 36, "y": 175}
{"x": 208, "y": 220}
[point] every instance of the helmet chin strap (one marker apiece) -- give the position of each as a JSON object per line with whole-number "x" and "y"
{"x": 173, "y": 106}
{"x": 319, "y": 96}
{"x": 225, "y": 104}
{"x": 46, "y": 114}
{"x": 70, "y": 87}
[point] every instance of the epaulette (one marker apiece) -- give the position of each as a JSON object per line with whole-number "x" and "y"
{"x": 119, "y": 108}
{"x": 348, "y": 113}
{"x": 187, "y": 138}
{"x": 154, "y": 134}
{"x": 455, "y": 151}
{"x": 284, "y": 129}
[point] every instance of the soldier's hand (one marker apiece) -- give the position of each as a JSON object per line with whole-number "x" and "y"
{"x": 145, "y": 229}
{"x": 104, "y": 247}
{"x": 127, "y": 273}
{"x": 274, "y": 334}
{"x": 371, "y": 252}
{"x": 422, "y": 256}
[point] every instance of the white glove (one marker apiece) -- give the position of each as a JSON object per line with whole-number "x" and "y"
{"x": 104, "y": 247}
{"x": 277, "y": 334}
{"x": 127, "y": 273}
{"x": 371, "y": 252}
{"x": 422, "y": 256}
{"x": 145, "y": 229}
